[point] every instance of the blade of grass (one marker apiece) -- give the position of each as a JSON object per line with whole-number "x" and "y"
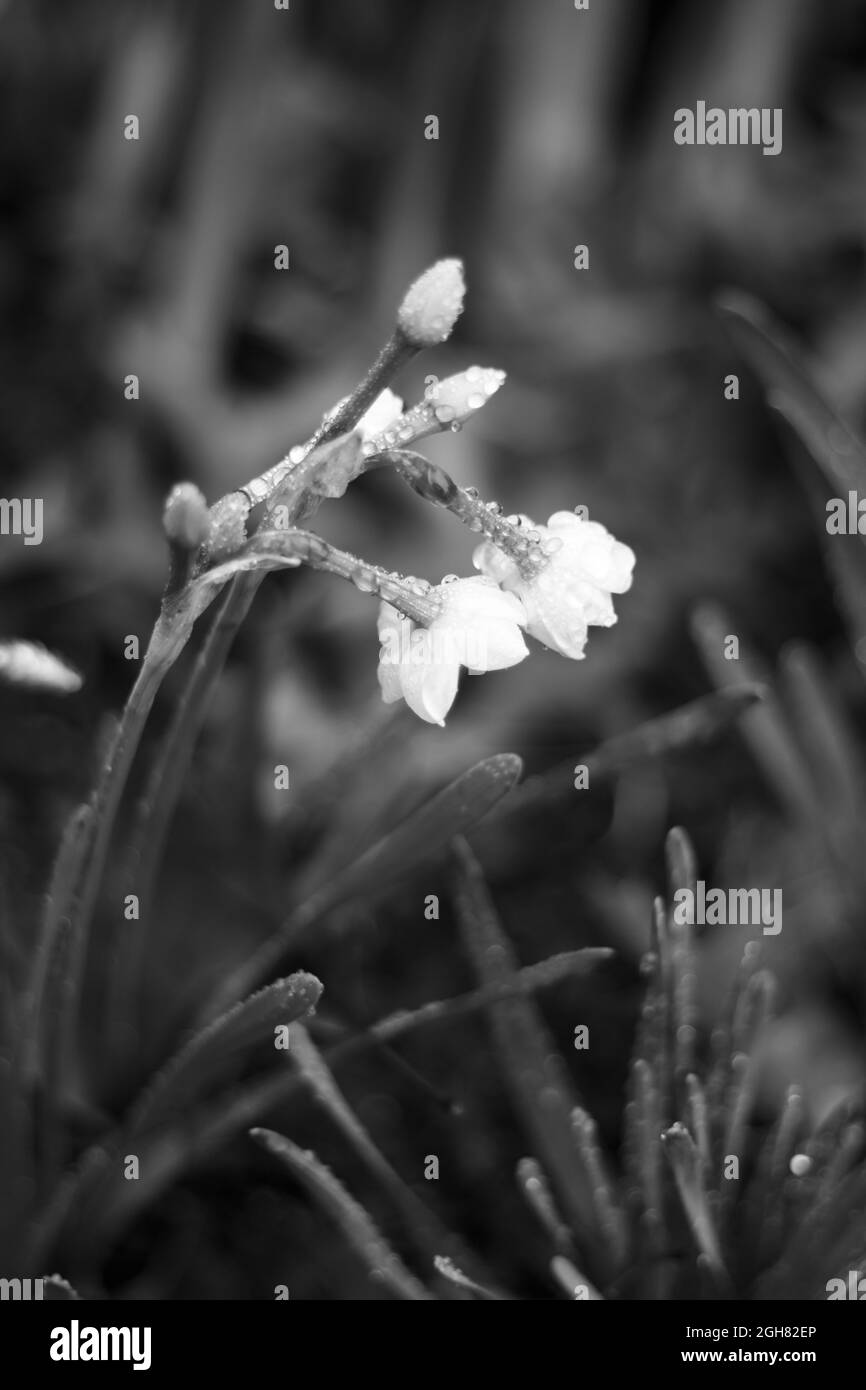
{"x": 422, "y": 1227}
{"x": 536, "y": 1074}
{"x": 194, "y": 1066}
{"x": 347, "y": 1214}
{"x": 419, "y": 838}
{"x": 775, "y": 359}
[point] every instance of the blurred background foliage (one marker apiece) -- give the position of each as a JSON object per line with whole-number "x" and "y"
{"x": 260, "y": 127}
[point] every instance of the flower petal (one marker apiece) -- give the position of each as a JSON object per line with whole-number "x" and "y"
{"x": 429, "y": 688}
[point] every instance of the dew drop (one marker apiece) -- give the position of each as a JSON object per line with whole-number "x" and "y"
{"x": 471, "y": 493}
{"x": 474, "y": 373}
{"x": 457, "y": 425}
{"x": 476, "y": 524}
{"x": 444, "y": 413}
{"x": 551, "y": 545}
{"x": 450, "y": 578}
{"x": 800, "y": 1165}
{"x": 495, "y": 508}
{"x": 365, "y": 580}
{"x": 476, "y": 400}
{"x": 368, "y": 449}
{"x": 514, "y": 520}
{"x": 297, "y": 454}
{"x": 405, "y": 432}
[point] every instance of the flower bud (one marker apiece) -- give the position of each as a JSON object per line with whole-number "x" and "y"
{"x": 186, "y": 519}
{"x": 433, "y": 304}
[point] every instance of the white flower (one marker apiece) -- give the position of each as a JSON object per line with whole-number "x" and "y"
{"x": 478, "y": 627}
{"x": 572, "y": 590}
{"x": 385, "y": 410}
{"x": 432, "y": 304}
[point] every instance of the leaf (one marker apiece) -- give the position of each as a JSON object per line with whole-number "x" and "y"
{"x": 839, "y": 454}
{"x": 428, "y": 1235}
{"x": 96, "y": 1201}
{"x": 417, "y": 839}
{"x": 536, "y": 1073}
{"x": 195, "y": 1065}
{"x": 347, "y": 1213}
{"x": 699, "y": 722}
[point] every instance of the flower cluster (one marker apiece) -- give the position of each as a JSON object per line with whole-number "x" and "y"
{"x": 565, "y": 588}
{"x": 552, "y": 582}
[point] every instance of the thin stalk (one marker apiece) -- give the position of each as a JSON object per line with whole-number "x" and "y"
{"x": 166, "y": 644}
{"x": 174, "y": 756}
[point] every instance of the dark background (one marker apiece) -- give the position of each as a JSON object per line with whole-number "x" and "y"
{"x": 261, "y": 127}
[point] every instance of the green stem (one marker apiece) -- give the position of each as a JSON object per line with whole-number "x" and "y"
{"x": 393, "y": 357}
{"x": 172, "y": 761}
{"x": 167, "y": 642}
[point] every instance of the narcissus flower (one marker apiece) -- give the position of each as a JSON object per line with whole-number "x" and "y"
{"x": 566, "y": 580}
{"x": 478, "y": 626}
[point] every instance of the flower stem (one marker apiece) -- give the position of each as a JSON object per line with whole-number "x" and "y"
{"x": 167, "y": 642}
{"x": 394, "y": 355}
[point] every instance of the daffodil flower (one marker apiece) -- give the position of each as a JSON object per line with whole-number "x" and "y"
{"x": 477, "y": 626}
{"x": 566, "y": 579}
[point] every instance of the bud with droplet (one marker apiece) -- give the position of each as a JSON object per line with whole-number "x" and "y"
{"x": 433, "y": 304}
{"x": 458, "y": 397}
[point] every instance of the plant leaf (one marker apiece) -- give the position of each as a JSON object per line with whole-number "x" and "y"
{"x": 417, "y": 839}
{"x": 194, "y": 1066}
{"x": 534, "y": 1069}
{"x": 347, "y": 1213}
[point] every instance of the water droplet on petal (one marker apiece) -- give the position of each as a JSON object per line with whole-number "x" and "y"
{"x": 495, "y": 508}
{"x": 444, "y": 413}
{"x": 297, "y": 453}
{"x": 450, "y": 578}
{"x": 476, "y": 524}
{"x": 514, "y": 520}
{"x": 476, "y": 400}
{"x": 551, "y": 545}
{"x": 457, "y": 425}
{"x": 471, "y": 493}
{"x": 474, "y": 373}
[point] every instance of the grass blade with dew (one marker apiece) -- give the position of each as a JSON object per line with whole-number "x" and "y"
{"x": 428, "y": 1236}
{"x": 535, "y": 1072}
{"x": 194, "y": 1066}
{"x": 347, "y": 1213}
{"x": 420, "y": 837}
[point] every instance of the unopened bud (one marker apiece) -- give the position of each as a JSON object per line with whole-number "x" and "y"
{"x": 433, "y": 304}
{"x": 186, "y": 518}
